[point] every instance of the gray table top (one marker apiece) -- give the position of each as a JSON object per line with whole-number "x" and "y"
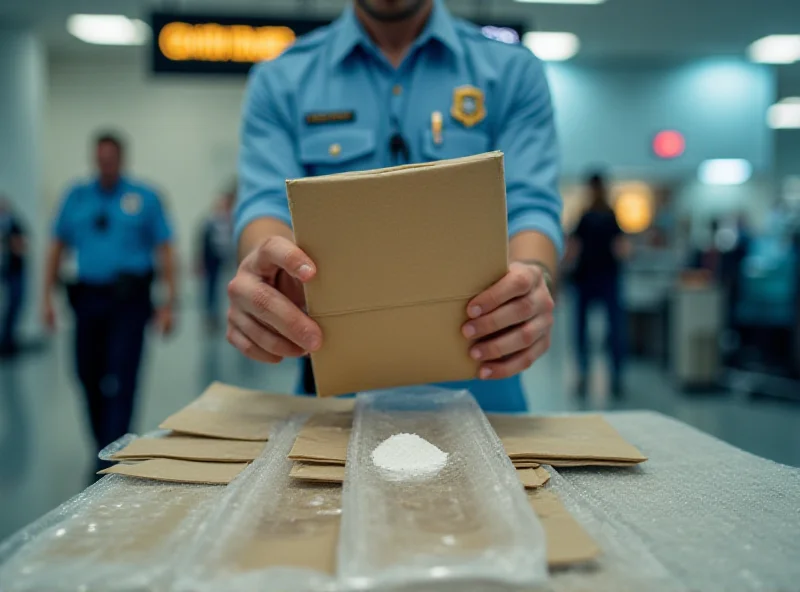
{"x": 698, "y": 515}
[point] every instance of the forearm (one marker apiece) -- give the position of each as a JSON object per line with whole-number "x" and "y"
{"x": 52, "y": 265}
{"x": 259, "y": 230}
{"x": 167, "y": 268}
{"x": 530, "y": 247}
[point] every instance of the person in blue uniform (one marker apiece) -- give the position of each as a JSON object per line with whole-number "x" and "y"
{"x": 119, "y": 233}
{"x": 393, "y": 82}
{"x": 13, "y": 250}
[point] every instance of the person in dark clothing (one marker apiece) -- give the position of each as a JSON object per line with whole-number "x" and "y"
{"x": 599, "y": 244}
{"x": 216, "y": 251}
{"x": 119, "y": 231}
{"x": 12, "y": 275}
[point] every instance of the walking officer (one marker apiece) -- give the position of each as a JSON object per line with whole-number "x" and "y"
{"x": 394, "y": 82}
{"x": 119, "y": 233}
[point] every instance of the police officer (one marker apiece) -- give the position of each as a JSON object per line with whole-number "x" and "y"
{"x": 116, "y": 227}
{"x": 390, "y": 82}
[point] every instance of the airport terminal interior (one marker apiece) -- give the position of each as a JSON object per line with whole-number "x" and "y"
{"x": 688, "y": 109}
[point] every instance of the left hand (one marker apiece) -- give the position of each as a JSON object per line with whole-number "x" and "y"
{"x": 164, "y": 320}
{"x": 510, "y": 322}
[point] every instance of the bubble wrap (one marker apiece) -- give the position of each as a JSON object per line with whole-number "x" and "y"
{"x": 264, "y": 528}
{"x": 471, "y": 522}
{"x": 118, "y": 535}
{"x": 699, "y": 515}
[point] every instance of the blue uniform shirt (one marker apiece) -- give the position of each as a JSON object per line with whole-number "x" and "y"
{"x": 135, "y": 224}
{"x": 332, "y": 103}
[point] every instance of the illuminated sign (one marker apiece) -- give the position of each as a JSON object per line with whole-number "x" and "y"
{"x": 206, "y": 44}
{"x": 219, "y": 43}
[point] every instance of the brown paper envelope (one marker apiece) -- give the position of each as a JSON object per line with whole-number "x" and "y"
{"x": 530, "y": 478}
{"x": 525, "y": 464}
{"x": 224, "y": 411}
{"x": 179, "y": 471}
{"x": 567, "y": 542}
{"x": 583, "y": 440}
{"x": 533, "y": 478}
{"x": 182, "y": 448}
{"x": 391, "y": 289}
{"x": 312, "y": 547}
{"x": 578, "y": 437}
{"x": 561, "y": 464}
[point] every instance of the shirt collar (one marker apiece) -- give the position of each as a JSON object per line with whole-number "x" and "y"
{"x": 351, "y": 33}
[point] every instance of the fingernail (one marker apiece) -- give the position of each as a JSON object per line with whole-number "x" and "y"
{"x": 475, "y": 353}
{"x": 485, "y": 373}
{"x": 474, "y": 311}
{"x": 305, "y": 271}
{"x": 313, "y": 343}
{"x": 469, "y": 330}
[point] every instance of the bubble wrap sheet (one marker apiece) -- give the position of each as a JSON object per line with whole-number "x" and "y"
{"x": 699, "y": 515}
{"x": 120, "y": 534}
{"x": 268, "y": 531}
{"x": 470, "y": 522}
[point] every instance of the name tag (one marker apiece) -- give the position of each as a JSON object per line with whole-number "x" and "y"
{"x": 331, "y": 117}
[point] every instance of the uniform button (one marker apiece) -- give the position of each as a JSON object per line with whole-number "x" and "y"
{"x": 397, "y": 90}
{"x": 335, "y": 149}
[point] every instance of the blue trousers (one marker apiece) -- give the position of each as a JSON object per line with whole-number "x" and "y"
{"x": 14, "y": 288}
{"x": 606, "y": 292}
{"x": 109, "y": 340}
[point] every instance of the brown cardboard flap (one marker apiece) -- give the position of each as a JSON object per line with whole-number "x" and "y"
{"x": 375, "y": 349}
{"x": 179, "y": 471}
{"x": 567, "y": 542}
{"x": 581, "y": 437}
{"x": 224, "y": 411}
{"x": 391, "y": 288}
{"x": 533, "y": 478}
{"x": 316, "y": 473}
{"x": 183, "y": 448}
{"x": 582, "y": 440}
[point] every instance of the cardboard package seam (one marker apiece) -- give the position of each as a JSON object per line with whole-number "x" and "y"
{"x": 391, "y": 288}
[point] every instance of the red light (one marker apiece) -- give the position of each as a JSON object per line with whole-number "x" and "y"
{"x": 669, "y": 144}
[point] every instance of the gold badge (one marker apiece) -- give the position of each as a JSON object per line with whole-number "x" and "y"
{"x": 131, "y": 203}
{"x": 469, "y": 106}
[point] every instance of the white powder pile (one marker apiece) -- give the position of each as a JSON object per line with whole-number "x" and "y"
{"x": 408, "y": 456}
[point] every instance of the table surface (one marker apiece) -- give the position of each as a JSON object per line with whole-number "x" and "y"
{"x": 700, "y": 514}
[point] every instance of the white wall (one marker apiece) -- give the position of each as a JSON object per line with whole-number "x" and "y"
{"x": 182, "y": 132}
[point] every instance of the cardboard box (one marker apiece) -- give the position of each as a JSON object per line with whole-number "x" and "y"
{"x": 399, "y": 252}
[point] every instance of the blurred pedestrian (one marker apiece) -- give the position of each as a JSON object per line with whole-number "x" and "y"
{"x": 599, "y": 244}
{"x": 216, "y": 253}
{"x": 117, "y": 228}
{"x": 13, "y": 248}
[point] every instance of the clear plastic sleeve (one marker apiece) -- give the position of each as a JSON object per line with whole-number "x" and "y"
{"x": 268, "y": 532}
{"x": 467, "y": 525}
{"x": 120, "y": 534}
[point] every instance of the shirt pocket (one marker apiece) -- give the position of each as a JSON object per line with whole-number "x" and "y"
{"x": 455, "y": 143}
{"x": 337, "y": 151}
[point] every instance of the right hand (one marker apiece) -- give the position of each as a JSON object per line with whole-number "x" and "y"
{"x": 265, "y": 319}
{"x": 48, "y": 314}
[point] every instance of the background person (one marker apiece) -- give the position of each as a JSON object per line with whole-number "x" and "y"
{"x": 599, "y": 245}
{"x": 13, "y": 250}
{"x": 117, "y": 228}
{"x": 216, "y": 253}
